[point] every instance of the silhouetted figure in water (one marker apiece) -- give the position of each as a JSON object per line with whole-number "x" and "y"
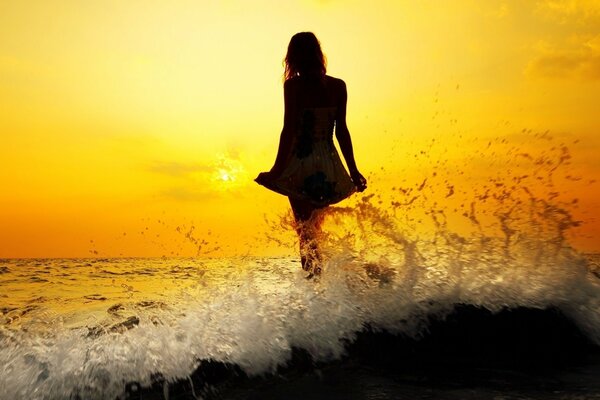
{"x": 308, "y": 168}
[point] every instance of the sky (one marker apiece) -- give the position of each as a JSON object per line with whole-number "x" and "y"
{"x": 136, "y": 128}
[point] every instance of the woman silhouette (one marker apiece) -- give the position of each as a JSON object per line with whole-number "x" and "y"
{"x": 308, "y": 168}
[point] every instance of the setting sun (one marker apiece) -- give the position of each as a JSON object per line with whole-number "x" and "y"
{"x": 229, "y": 174}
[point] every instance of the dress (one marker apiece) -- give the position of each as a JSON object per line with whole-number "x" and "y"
{"x": 314, "y": 171}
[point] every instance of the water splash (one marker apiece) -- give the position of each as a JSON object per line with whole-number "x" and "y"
{"x": 391, "y": 260}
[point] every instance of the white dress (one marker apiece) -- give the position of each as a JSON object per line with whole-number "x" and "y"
{"x": 314, "y": 172}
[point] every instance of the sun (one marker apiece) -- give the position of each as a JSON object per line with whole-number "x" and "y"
{"x": 229, "y": 174}
{"x": 226, "y": 176}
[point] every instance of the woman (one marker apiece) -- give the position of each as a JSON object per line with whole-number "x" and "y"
{"x": 308, "y": 168}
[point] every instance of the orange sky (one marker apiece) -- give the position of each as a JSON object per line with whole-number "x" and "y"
{"x": 121, "y": 121}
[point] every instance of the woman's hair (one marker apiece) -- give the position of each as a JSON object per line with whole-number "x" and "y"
{"x": 304, "y": 56}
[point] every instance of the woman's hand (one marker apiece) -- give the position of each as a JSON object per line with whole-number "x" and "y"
{"x": 359, "y": 181}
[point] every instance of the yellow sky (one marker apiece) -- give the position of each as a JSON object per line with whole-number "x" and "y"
{"x": 121, "y": 116}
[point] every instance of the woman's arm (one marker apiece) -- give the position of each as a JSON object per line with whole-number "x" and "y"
{"x": 343, "y": 136}
{"x": 286, "y": 140}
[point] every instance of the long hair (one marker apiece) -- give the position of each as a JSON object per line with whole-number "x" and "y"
{"x": 304, "y": 57}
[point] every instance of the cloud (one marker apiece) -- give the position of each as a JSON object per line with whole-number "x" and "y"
{"x": 580, "y": 61}
{"x": 179, "y": 169}
{"x": 564, "y": 11}
{"x": 500, "y": 11}
{"x": 201, "y": 193}
{"x": 187, "y": 193}
{"x": 503, "y": 10}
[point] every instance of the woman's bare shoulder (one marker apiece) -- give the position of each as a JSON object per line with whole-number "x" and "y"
{"x": 337, "y": 84}
{"x": 335, "y": 81}
{"x": 291, "y": 83}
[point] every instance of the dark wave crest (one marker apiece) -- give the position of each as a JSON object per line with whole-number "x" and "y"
{"x": 471, "y": 352}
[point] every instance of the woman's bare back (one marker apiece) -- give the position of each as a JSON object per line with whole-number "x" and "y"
{"x": 317, "y": 92}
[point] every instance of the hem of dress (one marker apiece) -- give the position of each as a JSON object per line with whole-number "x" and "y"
{"x": 276, "y": 188}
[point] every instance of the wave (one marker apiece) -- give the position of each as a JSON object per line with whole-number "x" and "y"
{"x": 258, "y": 317}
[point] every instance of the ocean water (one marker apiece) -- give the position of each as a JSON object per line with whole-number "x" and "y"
{"x": 88, "y": 328}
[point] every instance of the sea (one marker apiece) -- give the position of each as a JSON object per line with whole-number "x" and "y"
{"x": 133, "y": 328}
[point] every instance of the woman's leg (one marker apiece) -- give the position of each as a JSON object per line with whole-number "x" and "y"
{"x": 307, "y": 226}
